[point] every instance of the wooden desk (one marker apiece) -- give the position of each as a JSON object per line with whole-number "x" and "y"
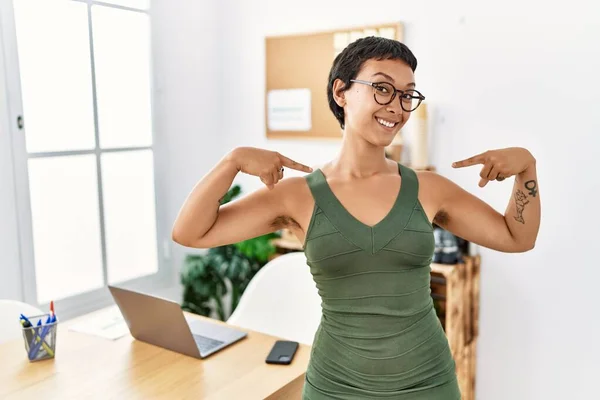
{"x": 88, "y": 367}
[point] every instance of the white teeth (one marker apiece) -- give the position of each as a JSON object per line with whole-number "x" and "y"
{"x": 386, "y": 123}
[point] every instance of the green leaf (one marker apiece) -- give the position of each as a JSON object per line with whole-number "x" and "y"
{"x": 204, "y": 276}
{"x": 259, "y": 248}
{"x": 232, "y": 193}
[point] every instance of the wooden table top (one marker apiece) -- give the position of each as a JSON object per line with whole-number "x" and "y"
{"x": 88, "y": 366}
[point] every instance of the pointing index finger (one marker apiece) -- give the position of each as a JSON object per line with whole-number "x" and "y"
{"x": 287, "y": 162}
{"x": 478, "y": 159}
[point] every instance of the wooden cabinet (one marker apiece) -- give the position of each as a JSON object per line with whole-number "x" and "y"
{"x": 455, "y": 293}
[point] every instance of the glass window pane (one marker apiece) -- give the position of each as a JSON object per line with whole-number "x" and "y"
{"x": 122, "y": 60}
{"x": 129, "y": 214}
{"x": 55, "y": 68}
{"x": 139, "y": 4}
{"x": 66, "y": 226}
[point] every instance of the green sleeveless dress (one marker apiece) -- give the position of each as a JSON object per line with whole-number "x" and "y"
{"x": 379, "y": 336}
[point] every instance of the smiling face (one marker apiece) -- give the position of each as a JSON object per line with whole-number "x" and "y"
{"x": 377, "y": 124}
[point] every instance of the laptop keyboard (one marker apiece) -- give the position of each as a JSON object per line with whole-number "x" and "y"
{"x": 206, "y": 344}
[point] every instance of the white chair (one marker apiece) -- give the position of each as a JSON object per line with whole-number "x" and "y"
{"x": 281, "y": 300}
{"x": 10, "y": 326}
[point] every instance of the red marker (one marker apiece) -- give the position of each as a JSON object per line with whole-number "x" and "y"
{"x": 52, "y": 308}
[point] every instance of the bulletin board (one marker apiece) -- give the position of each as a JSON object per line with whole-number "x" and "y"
{"x": 297, "y": 69}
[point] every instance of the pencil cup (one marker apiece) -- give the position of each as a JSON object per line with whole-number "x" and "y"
{"x": 40, "y": 340}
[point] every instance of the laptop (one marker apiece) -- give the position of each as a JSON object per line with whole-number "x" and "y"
{"x": 161, "y": 322}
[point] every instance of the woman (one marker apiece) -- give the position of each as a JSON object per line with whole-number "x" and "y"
{"x": 366, "y": 225}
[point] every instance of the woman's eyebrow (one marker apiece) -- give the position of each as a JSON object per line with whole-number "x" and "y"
{"x": 386, "y": 76}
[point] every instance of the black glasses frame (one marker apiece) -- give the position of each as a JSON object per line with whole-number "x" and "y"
{"x": 420, "y": 96}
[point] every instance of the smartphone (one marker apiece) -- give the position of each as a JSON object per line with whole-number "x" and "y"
{"x": 282, "y": 352}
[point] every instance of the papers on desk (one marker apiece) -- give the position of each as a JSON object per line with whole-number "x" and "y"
{"x": 108, "y": 324}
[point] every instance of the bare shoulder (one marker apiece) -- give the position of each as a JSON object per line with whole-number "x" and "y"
{"x": 429, "y": 181}
{"x": 290, "y": 189}
{"x": 442, "y": 193}
{"x": 297, "y": 199}
{"x": 433, "y": 189}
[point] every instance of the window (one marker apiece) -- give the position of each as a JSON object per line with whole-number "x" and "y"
{"x": 85, "y": 159}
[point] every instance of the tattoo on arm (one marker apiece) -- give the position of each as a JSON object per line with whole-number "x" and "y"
{"x": 521, "y": 201}
{"x": 521, "y": 198}
{"x": 532, "y": 187}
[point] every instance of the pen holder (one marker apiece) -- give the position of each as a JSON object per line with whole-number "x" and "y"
{"x": 40, "y": 341}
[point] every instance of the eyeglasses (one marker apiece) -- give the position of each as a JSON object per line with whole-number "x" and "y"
{"x": 384, "y": 93}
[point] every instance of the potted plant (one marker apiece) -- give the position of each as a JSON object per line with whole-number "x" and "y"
{"x": 205, "y": 276}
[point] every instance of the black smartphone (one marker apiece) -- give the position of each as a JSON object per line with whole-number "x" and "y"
{"x": 282, "y": 352}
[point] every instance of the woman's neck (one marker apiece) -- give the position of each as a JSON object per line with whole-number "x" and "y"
{"x": 360, "y": 159}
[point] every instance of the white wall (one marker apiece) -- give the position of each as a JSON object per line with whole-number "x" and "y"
{"x": 519, "y": 74}
{"x": 187, "y": 99}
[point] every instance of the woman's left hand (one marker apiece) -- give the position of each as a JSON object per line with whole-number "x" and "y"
{"x": 499, "y": 164}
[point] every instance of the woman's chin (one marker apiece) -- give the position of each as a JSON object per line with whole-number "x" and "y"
{"x": 386, "y": 138}
{"x": 381, "y": 141}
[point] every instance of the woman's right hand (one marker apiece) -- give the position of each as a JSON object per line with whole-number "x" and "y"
{"x": 267, "y": 165}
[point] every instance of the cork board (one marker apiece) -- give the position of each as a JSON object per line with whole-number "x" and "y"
{"x": 297, "y": 68}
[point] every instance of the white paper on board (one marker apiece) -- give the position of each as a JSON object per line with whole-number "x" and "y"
{"x": 289, "y": 110}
